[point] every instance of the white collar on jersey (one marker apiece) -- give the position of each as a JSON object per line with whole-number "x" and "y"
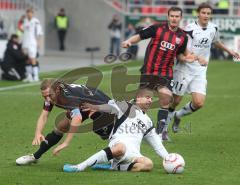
{"x": 204, "y": 28}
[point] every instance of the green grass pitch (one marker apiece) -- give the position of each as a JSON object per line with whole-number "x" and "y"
{"x": 211, "y": 150}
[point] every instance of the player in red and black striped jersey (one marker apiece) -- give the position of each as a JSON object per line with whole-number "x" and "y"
{"x": 163, "y": 48}
{"x": 69, "y": 97}
{"x": 168, "y": 41}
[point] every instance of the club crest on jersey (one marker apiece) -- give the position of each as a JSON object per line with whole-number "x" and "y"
{"x": 178, "y": 40}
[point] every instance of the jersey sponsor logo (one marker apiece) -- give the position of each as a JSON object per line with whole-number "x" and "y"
{"x": 203, "y": 41}
{"x": 166, "y": 45}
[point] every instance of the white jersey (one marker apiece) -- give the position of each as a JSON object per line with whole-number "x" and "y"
{"x": 134, "y": 127}
{"x": 131, "y": 126}
{"x": 32, "y": 29}
{"x": 199, "y": 42}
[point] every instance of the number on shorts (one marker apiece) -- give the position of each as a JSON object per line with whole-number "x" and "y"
{"x": 180, "y": 86}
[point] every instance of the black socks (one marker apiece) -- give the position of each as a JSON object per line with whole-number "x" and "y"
{"x": 51, "y": 139}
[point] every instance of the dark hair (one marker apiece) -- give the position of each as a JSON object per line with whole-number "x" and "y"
{"x": 175, "y": 9}
{"x": 204, "y": 5}
{"x": 13, "y": 36}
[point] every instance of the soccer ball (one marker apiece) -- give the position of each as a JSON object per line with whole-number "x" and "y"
{"x": 174, "y": 163}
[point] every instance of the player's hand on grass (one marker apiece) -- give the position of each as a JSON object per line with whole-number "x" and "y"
{"x": 59, "y": 148}
{"x": 126, "y": 44}
{"x": 38, "y": 139}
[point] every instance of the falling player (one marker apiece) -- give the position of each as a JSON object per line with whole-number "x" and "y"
{"x": 132, "y": 125}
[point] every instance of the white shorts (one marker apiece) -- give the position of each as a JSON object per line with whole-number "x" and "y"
{"x": 132, "y": 152}
{"x": 185, "y": 83}
{"x": 31, "y": 51}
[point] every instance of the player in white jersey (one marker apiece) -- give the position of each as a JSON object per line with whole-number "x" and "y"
{"x": 132, "y": 125}
{"x": 31, "y": 44}
{"x": 191, "y": 77}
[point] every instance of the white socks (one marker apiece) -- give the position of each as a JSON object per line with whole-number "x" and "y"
{"x": 35, "y": 70}
{"x": 32, "y": 73}
{"x": 29, "y": 72}
{"x": 186, "y": 110}
{"x": 100, "y": 157}
{"x": 169, "y": 118}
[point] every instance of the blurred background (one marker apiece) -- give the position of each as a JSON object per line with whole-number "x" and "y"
{"x": 98, "y": 26}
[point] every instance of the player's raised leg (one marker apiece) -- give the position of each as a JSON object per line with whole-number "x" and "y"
{"x": 103, "y": 156}
{"x": 176, "y": 100}
{"x": 196, "y": 103}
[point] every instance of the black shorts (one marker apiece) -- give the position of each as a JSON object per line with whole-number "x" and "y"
{"x": 154, "y": 81}
{"x": 103, "y": 124}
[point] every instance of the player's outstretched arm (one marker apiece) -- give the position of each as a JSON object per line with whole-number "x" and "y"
{"x": 75, "y": 123}
{"x": 99, "y": 108}
{"x": 132, "y": 40}
{"x": 42, "y": 120}
{"x": 221, "y": 46}
{"x": 154, "y": 140}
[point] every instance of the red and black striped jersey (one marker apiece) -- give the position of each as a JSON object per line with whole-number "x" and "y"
{"x": 164, "y": 46}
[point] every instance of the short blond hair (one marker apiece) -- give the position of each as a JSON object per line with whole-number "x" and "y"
{"x": 46, "y": 83}
{"x": 141, "y": 92}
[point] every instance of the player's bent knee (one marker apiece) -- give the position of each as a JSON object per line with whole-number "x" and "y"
{"x": 63, "y": 129}
{"x": 198, "y": 104}
{"x": 176, "y": 102}
{"x": 118, "y": 150}
{"x": 58, "y": 132}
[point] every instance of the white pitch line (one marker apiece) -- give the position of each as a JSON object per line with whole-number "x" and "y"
{"x": 18, "y": 86}
{"x": 19, "y": 93}
{"x": 38, "y": 83}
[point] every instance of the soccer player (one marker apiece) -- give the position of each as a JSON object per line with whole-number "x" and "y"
{"x": 191, "y": 77}
{"x": 167, "y": 42}
{"x": 68, "y": 97}
{"x": 132, "y": 125}
{"x": 31, "y": 44}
